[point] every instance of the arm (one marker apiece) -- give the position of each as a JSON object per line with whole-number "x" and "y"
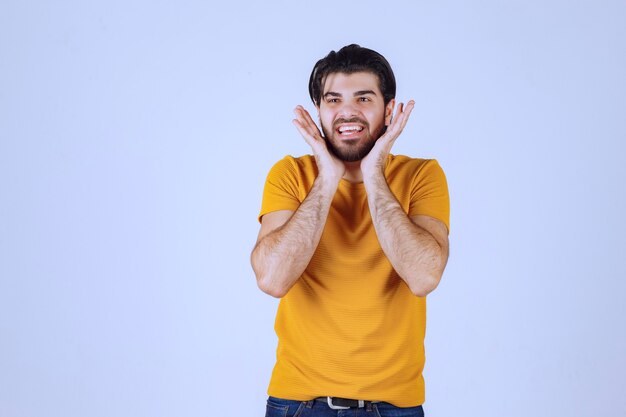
{"x": 287, "y": 240}
{"x": 417, "y": 247}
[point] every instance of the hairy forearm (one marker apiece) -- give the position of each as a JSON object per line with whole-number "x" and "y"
{"x": 413, "y": 252}
{"x": 280, "y": 257}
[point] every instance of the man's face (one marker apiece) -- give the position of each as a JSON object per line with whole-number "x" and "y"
{"x": 353, "y": 114}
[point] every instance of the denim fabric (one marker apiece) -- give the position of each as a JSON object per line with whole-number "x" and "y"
{"x": 389, "y": 410}
{"x": 277, "y": 407}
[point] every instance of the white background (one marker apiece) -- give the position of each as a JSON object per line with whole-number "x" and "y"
{"x": 134, "y": 142}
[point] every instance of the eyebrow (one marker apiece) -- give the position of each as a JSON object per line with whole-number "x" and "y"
{"x": 356, "y": 93}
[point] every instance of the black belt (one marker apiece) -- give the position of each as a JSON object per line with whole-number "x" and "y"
{"x": 337, "y": 403}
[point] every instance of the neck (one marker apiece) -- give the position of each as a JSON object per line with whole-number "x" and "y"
{"x": 353, "y": 172}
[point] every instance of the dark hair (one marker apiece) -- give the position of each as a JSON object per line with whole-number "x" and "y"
{"x": 350, "y": 59}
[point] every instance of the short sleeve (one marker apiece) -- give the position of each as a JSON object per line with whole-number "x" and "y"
{"x": 429, "y": 193}
{"x": 281, "y": 188}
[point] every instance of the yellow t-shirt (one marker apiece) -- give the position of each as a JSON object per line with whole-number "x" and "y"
{"x": 350, "y": 327}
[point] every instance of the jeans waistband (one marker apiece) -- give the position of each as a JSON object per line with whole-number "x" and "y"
{"x": 338, "y": 403}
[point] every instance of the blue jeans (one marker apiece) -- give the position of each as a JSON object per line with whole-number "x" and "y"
{"x": 277, "y": 407}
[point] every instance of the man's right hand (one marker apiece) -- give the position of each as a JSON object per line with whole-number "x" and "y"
{"x": 330, "y": 168}
{"x": 287, "y": 240}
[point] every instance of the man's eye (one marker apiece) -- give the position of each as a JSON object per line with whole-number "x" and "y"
{"x": 364, "y": 99}
{"x": 333, "y": 100}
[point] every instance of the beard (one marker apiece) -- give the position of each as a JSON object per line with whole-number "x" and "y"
{"x": 351, "y": 151}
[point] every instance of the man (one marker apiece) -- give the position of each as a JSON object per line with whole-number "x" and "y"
{"x": 352, "y": 240}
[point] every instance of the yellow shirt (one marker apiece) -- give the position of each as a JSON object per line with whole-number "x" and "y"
{"x": 350, "y": 327}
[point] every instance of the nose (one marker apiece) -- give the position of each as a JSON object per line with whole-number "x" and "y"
{"x": 347, "y": 110}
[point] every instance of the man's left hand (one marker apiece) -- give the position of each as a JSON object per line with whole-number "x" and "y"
{"x": 374, "y": 162}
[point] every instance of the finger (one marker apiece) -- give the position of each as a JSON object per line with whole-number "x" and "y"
{"x": 306, "y": 120}
{"x": 398, "y": 123}
{"x": 310, "y": 135}
{"x": 396, "y": 119}
{"x": 304, "y": 128}
{"x": 307, "y": 116}
{"x": 409, "y": 108}
{"x": 302, "y": 113}
{"x": 306, "y": 135}
{"x": 303, "y": 122}
{"x": 403, "y": 115}
{"x": 398, "y": 114}
{"x": 406, "y": 113}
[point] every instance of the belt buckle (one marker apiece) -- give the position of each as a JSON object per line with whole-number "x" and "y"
{"x": 340, "y": 407}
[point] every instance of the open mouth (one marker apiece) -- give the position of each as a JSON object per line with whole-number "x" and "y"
{"x": 348, "y": 130}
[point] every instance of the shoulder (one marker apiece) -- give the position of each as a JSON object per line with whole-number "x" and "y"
{"x": 293, "y": 173}
{"x": 293, "y": 164}
{"x": 402, "y": 165}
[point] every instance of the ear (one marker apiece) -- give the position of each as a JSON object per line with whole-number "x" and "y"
{"x": 389, "y": 111}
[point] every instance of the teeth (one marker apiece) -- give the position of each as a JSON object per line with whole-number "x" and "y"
{"x": 349, "y": 128}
